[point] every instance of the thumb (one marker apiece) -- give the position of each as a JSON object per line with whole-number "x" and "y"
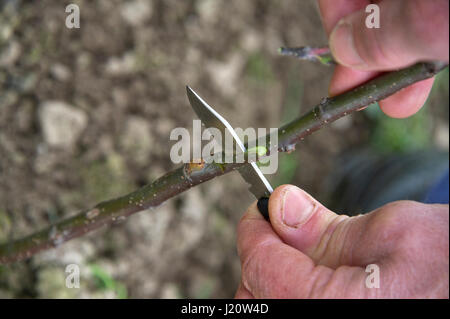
{"x": 327, "y": 238}
{"x": 409, "y": 31}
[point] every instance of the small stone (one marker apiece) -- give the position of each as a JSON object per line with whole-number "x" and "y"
{"x": 136, "y": 139}
{"x": 61, "y": 124}
{"x": 208, "y": 10}
{"x": 225, "y": 74}
{"x": 251, "y": 41}
{"x": 10, "y": 54}
{"x": 170, "y": 291}
{"x": 116, "y": 66}
{"x": 136, "y": 12}
{"x": 60, "y": 72}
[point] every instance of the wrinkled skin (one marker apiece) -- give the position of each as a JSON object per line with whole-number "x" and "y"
{"x": 310, "y": 252}
{"x": 307, "y": 251}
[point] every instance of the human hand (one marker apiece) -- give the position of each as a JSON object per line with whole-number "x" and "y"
{"x": 307, "y": 251}
{"x": 410, "y": 31}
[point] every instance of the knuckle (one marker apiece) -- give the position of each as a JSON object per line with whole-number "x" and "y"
{"x": 391, "y": 225}
{"x": 331, "y": 240}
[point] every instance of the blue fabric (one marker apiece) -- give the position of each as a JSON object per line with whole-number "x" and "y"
{"x": 438, "y": 194}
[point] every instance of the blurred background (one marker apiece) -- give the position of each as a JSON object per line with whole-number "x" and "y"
{"x": 85, "y": 116}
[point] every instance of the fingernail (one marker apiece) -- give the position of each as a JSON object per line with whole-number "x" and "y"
{"x": 297, "y": 207}
{"x": 342, "y": 45}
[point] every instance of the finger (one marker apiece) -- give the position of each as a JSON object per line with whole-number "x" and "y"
{"x": 243, "y": 293}
{"x": 345, "y": 79}
{"x": 270, "y": 268}
{"x": 407, "y": 101}
{"x": 327, "y": 238}
{"x": 332, "y": 11}
{"x": 410, "y": 31}
{"x": 400, "y": 105}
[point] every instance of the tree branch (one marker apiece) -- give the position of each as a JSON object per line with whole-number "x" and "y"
{"x": 191, "y": 174}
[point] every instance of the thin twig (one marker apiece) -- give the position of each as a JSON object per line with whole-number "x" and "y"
{"x": 189, "y": 175}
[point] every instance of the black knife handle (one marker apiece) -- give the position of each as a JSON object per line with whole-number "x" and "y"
{"x": 263, "y": 207}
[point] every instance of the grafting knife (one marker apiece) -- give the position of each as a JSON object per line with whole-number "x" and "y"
{"x": 258, "y": 184}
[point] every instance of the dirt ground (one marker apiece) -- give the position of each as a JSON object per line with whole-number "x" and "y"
{"x": 85, "y": 115}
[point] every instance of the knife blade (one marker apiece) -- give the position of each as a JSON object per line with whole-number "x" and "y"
{"x": 259, "y": 186}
